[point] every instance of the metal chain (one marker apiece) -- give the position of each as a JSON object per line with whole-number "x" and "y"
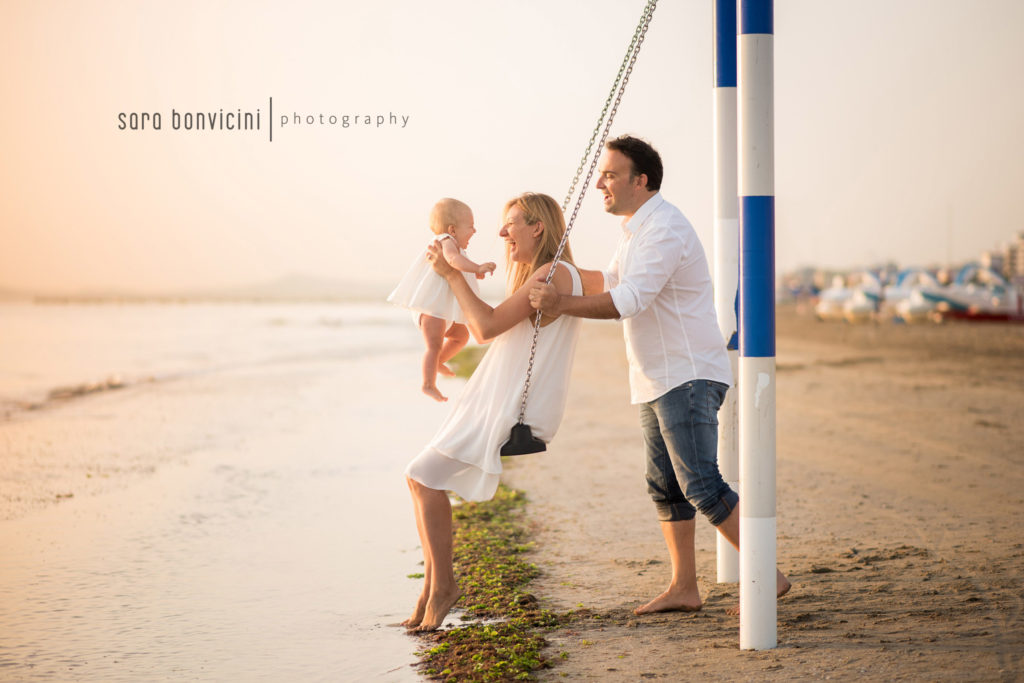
{"x": 640, "y": 28}
{"x": 617, "y": 90}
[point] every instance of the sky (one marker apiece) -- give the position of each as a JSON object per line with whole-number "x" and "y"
{"x": 897, "y": 131}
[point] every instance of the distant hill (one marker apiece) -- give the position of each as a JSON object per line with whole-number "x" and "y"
{"x": 14, "y": 295}
{"x": 290, "y": 288}
{"x": 295, "y": 287}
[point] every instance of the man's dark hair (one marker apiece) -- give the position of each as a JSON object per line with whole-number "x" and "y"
{"x": 645, "y": 158}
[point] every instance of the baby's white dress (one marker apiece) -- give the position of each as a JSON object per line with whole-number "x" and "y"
{"x": 464, "y": 454}
{"x": 424, "y": 291}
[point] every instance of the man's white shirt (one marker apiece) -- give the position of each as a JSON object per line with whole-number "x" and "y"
{"x": 659, "y": 282}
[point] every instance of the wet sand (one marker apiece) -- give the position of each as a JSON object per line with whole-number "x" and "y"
{"x": 220, "y": 533}
{"x": 900, "y": 504}
{"x": 248, "y": 525}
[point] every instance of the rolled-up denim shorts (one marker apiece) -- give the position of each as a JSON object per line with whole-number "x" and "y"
{"x": 680, "y": 431}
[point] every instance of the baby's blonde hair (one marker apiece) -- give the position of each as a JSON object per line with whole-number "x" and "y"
{"x": 447, "y": 212}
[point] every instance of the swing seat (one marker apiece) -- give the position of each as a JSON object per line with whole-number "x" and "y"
{"x": 522, "y": 442}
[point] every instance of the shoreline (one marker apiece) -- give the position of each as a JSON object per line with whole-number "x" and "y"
{"x": 899, "y": 474}
{"x": 227, "y": 526}
{"x": 887, "y": 438}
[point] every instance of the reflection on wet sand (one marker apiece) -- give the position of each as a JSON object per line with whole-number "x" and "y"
{"x": 248, "y": 524}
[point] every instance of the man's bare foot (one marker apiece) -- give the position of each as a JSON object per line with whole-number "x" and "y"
{"x": 434, "y": 393}
{"x": 673, "y": 600}
{"x": 438, "y": 606}
{"x": 417, "y": 614}
{"x": 444, "y": 370}
{"x": 782, "y": 586}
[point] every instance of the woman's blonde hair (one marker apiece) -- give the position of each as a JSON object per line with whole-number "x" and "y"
{"x": 536, "y": 208}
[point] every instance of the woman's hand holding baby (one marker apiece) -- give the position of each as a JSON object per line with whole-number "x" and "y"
{"x": 436, "y": 257}
{"x": 445, "y": 268}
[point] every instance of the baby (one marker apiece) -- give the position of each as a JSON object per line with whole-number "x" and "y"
{"x": 425, "y": 292}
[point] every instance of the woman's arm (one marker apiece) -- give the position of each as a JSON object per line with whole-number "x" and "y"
{"x": 486, "y": 322}
{"x": 455, "y": 257}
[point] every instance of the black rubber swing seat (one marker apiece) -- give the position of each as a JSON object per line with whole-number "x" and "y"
{"x": 522, "y": 442}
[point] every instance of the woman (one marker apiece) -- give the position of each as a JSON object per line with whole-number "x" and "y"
{"x": 463, "y": 456}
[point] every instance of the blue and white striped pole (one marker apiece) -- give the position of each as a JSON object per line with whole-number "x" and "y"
{"x": 758, "y": 615}
{"x": 727, "y": 253}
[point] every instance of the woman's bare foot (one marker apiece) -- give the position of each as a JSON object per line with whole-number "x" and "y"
{"x": 438, "y": 606}
{"x": 417, "y": 614}
{"x": 434, "y": 393}
{"x": 782, "y": 586}
{"x": 444, "y": 370}
{"x": 673, "y": 600}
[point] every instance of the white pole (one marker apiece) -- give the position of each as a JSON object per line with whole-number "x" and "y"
{"x": 758, "y": 615}
{"x": 727, "y": 254}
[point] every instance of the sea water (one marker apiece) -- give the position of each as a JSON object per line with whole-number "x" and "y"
{"x": 269, "y": 536}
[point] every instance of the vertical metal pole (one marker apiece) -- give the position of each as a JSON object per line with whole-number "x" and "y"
{"x": 758, "y": 616}
{"x": 727, "y": 254}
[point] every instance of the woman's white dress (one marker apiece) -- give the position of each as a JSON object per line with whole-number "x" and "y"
{"x": 464, "y": 454}
{"x": 424, "y": 291}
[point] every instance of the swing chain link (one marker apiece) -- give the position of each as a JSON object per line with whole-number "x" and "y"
{"x": 618, "y": 89}
{"x": 627, "y": 61}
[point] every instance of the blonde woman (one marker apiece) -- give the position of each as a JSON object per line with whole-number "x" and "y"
{"x": 464, "y": 454}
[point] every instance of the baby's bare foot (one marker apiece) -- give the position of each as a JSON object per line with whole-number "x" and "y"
{"x": 438, "y": 607}
{"x": 434, "y": 393}
{"x": 444, "y": 370}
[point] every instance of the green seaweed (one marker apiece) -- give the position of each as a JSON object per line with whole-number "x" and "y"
{"x": 466, "y": 360}
{"x": 491, "y": 540}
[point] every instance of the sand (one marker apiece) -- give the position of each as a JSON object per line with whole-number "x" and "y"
{"x": 900, "y": 504}
{"x": 243, "y": 525}
{"x": 900, "y": 492}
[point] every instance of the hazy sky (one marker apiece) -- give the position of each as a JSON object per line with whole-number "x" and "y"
{"x": 898, "y": 130}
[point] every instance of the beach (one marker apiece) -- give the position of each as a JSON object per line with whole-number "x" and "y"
{"x": 900, "y": 499}
{"x": 233, "y": 510}
{"x": 232, "y": 506}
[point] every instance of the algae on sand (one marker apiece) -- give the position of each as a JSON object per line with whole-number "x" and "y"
{"x": 490, "y": 541}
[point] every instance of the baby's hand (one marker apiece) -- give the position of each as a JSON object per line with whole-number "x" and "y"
{"x": 485, "y": 268}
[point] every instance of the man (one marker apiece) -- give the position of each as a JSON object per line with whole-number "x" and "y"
{"x": 659, "y": 286}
